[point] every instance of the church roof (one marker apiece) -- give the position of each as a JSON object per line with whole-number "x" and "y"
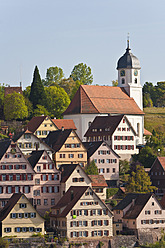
{"x": 128, "y": 61}
{"x": 93, "y": 99}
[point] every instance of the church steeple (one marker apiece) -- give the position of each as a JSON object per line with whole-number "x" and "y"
{"x": 128, "y": 67}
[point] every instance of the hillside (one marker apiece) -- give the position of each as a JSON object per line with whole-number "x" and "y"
{"x": 154, "y": 119}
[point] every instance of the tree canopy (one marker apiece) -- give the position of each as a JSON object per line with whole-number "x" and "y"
{"x": 15, "y": 107}
{"x": 37, "y": 93}
{"x": 139, "y": 181}
{"x": 57, "y": 101}
{"x": 82, "y": 73}
{"x": 91, "y": 169}
{"x": 53, "y": 76}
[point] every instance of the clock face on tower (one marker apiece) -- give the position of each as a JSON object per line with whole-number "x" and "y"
{"x": 135, "y": 72}
{"x": 122, "y": 73}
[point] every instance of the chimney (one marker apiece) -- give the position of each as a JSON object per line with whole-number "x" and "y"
{"x": 62, "y": 129}
{"x": 71, "y": 195}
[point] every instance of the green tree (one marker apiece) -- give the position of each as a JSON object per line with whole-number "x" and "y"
{"x": 70, "y": 86}
{"x": 57, "y": 101}
{"x": 3, "y": 243}
{"x": 147, "y": 102}
{"x": 40, "y": 110}
{"x": 29, "y": 107}
{"x": 37, "y": 93}
{"x": 91, "y": 169}
{"x": 139, "y": 181}
{"x": 115, "y": 83}
{"x": 53, "y": 76}
{"x": 82, "y": 73}
{"x": 146, "y": 157}
{"x": 26, "y": 92}
{"x": 160, "y": 94}
{"x": 124, "y": 166}
{"x": 15, "y": 107}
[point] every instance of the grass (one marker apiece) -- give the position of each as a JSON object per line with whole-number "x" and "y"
{"x": 154, "y": 119}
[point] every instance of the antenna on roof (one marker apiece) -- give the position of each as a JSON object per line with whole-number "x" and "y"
{"x": 128, "y": 41}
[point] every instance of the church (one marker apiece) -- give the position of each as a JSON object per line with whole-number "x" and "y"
{"x": 91, "y": 100}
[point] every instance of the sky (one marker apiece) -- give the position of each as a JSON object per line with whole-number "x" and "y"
{"x": 65, "y": 33}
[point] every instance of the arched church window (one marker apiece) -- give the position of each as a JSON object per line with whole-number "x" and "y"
{"x": 135, "y": 80}
{"x": 123, "y": 81}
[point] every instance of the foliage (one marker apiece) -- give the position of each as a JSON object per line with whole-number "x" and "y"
{"x": 139, "y": 181}
{"x": 3, "y": 243}
{"x": 154, "y": 94}
{"x": 2, "y": 136}
{"x": 70, "y": 86}
{"x": 82, "y": 73}
{"x": 14, "y": 107}
{"x": 91, "y": 169}
{"x": 100, "y": 244}
{"x": 111, "y": 191}
{"x": 29, "y": 107}
{"x": 113, "y": 203}
{"x": 37, "y": 93}
{"x": 115, "y": 83}
{"x": 124, "y": 167}
{"x": 57, "y": 101}
{"x": 40, "y": 235}
{"x": 53, "y": 76}
{"x": 145, "y": 157}
{"x": 40, "y": 110}
{"x": 26, "y": 92}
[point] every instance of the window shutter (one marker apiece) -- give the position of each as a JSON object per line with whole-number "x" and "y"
{"x": 0, "y": 177}
{"x": 92, "y": 223}
{"x": 101, "y": 212}
{"x": 91, "y": 213}
{"x": 15, "y": 166}
{"x": 46, "y": 177}
{"x": 92, "y": 233}
{"x": 6, "y": 189}
{"x": 57, "y": 177}
{"x": 47, "y": 189}
{"x": 86, "y": 233}
{"x": 14, "y": 177}
{"x": 129, "y": 147}
{"x": 118, "y": 137}
{"x": 52, "y": 189}
{"x": 41, "y": 177}
{"x": 31, "y": 177}
{"x": 118, "y": 147}
{"x": 23, "y": 189}
{"x": 7, "y": 177}
{"x": 41, "y": 189}
{"x": 20, "y": 176}
{"x": 87, "y": 221}
{"x": 77, "y": 213}
{"x": 71, "y": 224}
{"x": 101, "y": 222}
{"x": 44, "y": 166}
{"x": 26, "y": 177}
{"x": 71, "y": 213}
{"x": 87, "y": 212}
{"x": 107, "y": 233}
{"x": 101, "y": 233}
{"x": 71, "y": 234}
{"x": 13, "y": 189}
{"x": 77, "y": 223}
{"x": 107, "y": 222}
{"x": 48, "y": 166}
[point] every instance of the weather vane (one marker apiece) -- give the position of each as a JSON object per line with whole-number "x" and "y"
{"x": 128, "y": 40}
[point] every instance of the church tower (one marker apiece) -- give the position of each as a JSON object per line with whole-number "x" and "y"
{"x": 128, "y": 67}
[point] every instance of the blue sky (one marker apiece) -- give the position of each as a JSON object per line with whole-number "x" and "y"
{"x": 67, "y": 32}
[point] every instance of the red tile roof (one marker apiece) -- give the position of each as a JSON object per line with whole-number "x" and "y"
{"x": 98, "y": 181}
{"x": 162, "y": 161}
{"x": 10, "y": 90}
{"x": 66, "y": 123}
{"x": 102, "y": 99}
{"x": 146, "y": 132}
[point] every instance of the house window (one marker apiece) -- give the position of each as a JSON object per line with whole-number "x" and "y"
{"x": 38, "y": 168}
{"x": 80, "y": 155}
{"x": 84, "y": 223}
{"x": 45, "y": 201}
{"x": 13, "y": 215}
{"x": 10, "y": 167}
{"x": 86, "y": 212}
{"x": 135, "y": 80}
{"x": 3, "y": 177}
{"x": 152, "y": 203}
{"x": 123, "y": 81}
{"x": 18, "y": 229}
{"x": 44, "y": 189}
{"x": 113, "y": 170}
{"x": 9, "y": 190}
{"x": 44, "y": 132}
{"x": 37, "y": 181}
{"x": 44, "y": 177}
{"x": 105, "y": 222}
{"x": 32, "y": 215}
{"x": 7, "y": 229}
{"x": 20, "y": 215}
{"x": 17, "y": 177}
{"x": 17, "y": 189}
{"x": 105, "y": 233}
{"x": 27, "y": 189}
{"x": 50, "y": 177}
{"x": 53, "y": 201}
{"x": 147, "y": 212}
{"x": 71, "y": 155}
{"x": 10, "y": 177}
{"x": 56, "y": 189}
{"x": 38, "y": 201}
{"x": 99, "y": 211}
